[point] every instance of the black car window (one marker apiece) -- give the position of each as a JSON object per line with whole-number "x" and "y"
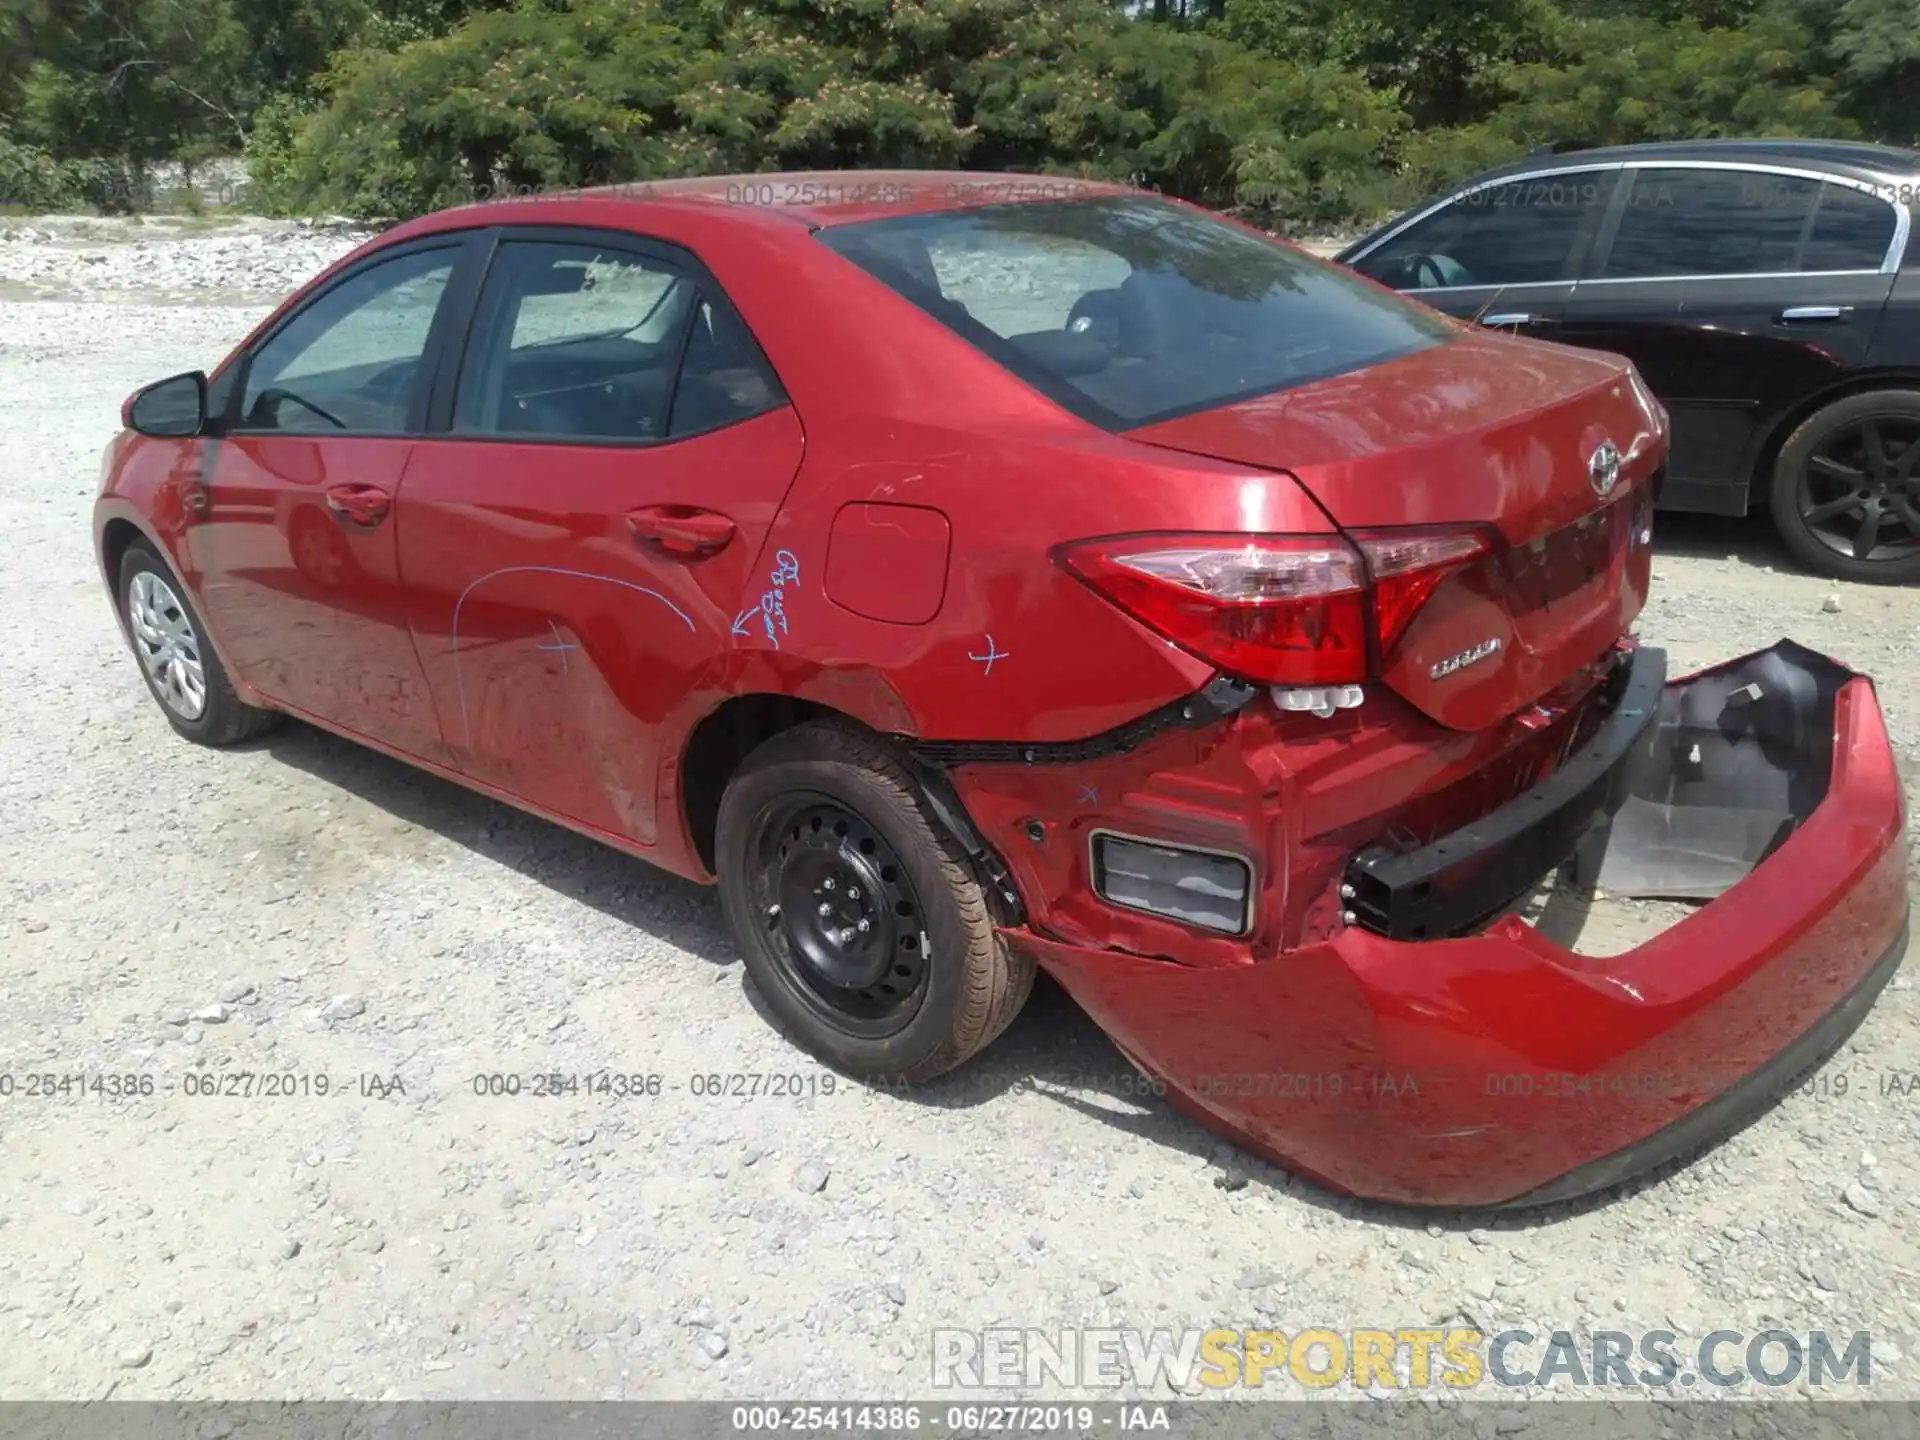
{"x": 1710, "y": 222}
{"x": 1851, "y": 231}
{"x": 574, "y": 342}
{"x": 1129, "y": 310}
{"x": 724, "y": 377}
{"x": 350, "y": 361}
{"x": 1518, "y": 233}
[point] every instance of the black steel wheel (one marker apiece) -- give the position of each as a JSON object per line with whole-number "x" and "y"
{"x": 863, "y": 926}
{"x": 842, "y": 915}
{"x": 1846, "y": 495}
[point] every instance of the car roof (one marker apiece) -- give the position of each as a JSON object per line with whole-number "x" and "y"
{"x": 1844, "y": 157}
{"x": 811, "y": 198}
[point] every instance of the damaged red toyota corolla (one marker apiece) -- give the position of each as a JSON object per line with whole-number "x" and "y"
{"x": 969, "y": 572}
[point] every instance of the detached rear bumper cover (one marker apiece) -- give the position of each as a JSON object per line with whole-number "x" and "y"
{"x": 1500, "y": 1068}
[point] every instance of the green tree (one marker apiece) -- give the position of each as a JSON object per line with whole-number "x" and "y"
{"x": 290, "y": 42}
{"x": 1293, "y": 110}
{"x": 517, "y": 98}
{"x": 20, "y": 24}
{"x": 1877, "y": 43}
{"x": 1439, "y": 57}
{"x": 140, "y": 80}
{"x": 1625, "y": 80}
{"x": 1621, "y": 79}
{"x": 599, "y": 90}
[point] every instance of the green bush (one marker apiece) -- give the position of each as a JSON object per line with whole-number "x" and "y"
{"x": 271, "y": 156}
{"x": 33, "y": 180}
{"x": 1297, "y": 113}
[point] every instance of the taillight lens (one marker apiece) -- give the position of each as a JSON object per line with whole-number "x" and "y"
{"x": 1407, "y": 567}
{"x": 1278, "y": 609}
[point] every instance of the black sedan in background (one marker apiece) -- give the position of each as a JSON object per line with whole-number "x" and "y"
{"x": 1768, "y": 291}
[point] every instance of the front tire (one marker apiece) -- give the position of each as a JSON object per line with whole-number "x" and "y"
{"x": 861, "y": 924}
{"x": 1846, "y": 489}
{"x": 179, "y": 665}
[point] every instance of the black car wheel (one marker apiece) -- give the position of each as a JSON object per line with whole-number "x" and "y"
{"x": 862, "y": 926}
{"x": 1846, "y": 489}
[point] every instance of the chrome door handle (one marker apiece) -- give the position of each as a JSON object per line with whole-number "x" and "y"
{"x": 1809, "y": 314}
{"x": 1512, "y": 317}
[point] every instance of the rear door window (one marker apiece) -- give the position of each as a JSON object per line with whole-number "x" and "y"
{"x": 587, "y": 343}
{"x": 574, "y": 342}
{"x": 1680, "y": 221}
{"x": 1128, "y": 310}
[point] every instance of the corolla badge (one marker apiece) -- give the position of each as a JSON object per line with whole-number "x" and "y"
{"x": 1603, "y": 469}
{"x": 1455, "y": 663}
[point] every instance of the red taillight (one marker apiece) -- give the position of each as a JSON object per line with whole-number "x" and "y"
{"x": 1407, "y": 566}
{"x": 1279, "y": 609}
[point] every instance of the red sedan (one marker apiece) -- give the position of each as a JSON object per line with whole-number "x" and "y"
{"x": 971, "y": 573}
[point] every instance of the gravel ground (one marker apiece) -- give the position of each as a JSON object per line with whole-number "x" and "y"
{"x": 306, "y": 908}
{"x": 166, "y": 260}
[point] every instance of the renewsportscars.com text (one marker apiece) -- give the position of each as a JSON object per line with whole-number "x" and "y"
{"x": 1413, "y": 1358}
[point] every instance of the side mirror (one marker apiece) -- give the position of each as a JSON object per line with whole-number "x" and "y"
{"x": 171, "y": 409}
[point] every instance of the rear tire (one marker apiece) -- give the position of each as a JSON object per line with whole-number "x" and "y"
{"x": 180, "y": 667}
{"x": 862, "y": 925}
{"x": 1847, "y": 481}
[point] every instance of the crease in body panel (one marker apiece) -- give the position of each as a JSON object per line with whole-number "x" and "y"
{"x": 459, "y": 677}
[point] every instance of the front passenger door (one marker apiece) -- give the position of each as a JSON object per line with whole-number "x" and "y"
{"x": 581, "y": 545}
{"x": 1503, "y": 254}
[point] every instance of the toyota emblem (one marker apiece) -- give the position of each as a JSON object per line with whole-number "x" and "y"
{"x": 1603, "y": 470}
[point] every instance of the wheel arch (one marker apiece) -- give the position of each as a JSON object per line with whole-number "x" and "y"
{"x": 118, "y": 526}
{"x": 116, "y": 538}
{"x": 117, "y": 534}
{"x": 717, "y": 745}
{"x": 720, "y": 741}
{"x": 1765, "y": 450}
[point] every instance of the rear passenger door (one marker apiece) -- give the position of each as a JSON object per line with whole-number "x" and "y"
{"x": 1504, "y": 254}
{"x": 1737, "y": 291}
{"x": 577, "y": 538}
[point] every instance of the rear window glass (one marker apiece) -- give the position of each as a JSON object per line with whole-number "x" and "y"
{"x": 1131, "y": 310}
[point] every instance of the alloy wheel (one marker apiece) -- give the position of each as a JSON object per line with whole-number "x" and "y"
{"x": 843, "y": 920}
{"x": 1860, "y": 490}
{"x": 168, "y": 648}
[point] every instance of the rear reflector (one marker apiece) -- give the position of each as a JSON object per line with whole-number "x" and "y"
{"x": 1196, "y": 887}
{"x": 1290, "y": 610}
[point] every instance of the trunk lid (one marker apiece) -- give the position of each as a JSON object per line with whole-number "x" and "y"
{"x": 1484, "y": 431}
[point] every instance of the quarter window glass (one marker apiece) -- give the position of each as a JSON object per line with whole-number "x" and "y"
{"x": 724, "y": 377}
{"x": 1518, "y": 233}
{"x": 1851, "y": 231}
{"x": 351, "y": 360}
{"x": 574, "y": 342}
{"x": 1711, "y": 222}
